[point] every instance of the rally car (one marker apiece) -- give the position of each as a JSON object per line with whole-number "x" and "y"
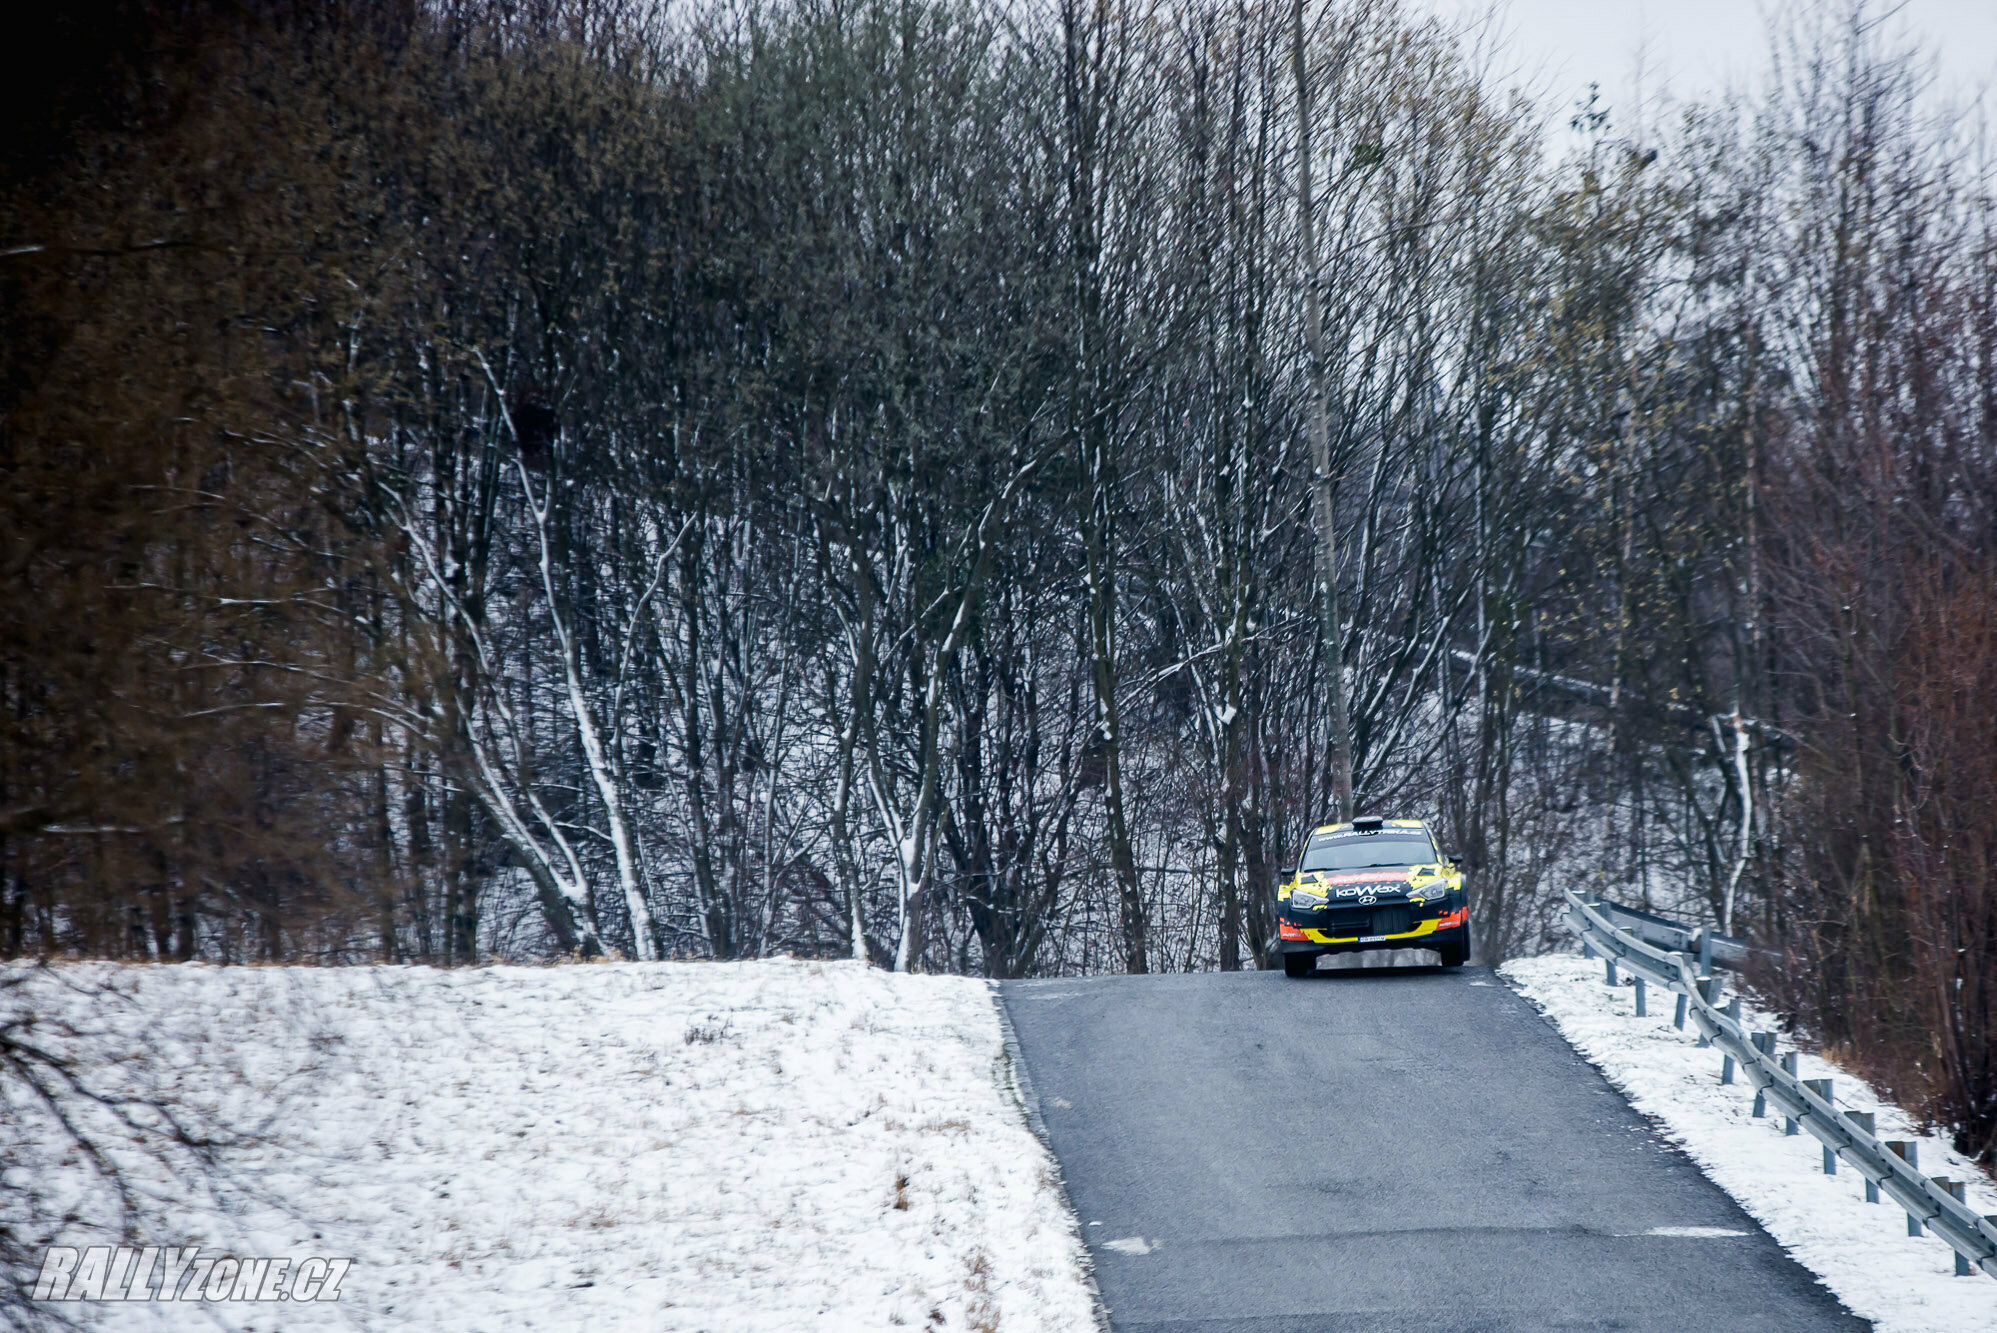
{"x": 1372, "y": 884}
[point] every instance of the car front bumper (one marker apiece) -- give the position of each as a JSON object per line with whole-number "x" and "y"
{"x": 1446, "y": 927}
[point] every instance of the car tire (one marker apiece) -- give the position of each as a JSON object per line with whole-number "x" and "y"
{"x": 1454, "y": 955}
{"x": 1299, "y": 964}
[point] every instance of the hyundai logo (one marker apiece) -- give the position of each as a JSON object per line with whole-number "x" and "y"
{"x": 1368, "y": 898}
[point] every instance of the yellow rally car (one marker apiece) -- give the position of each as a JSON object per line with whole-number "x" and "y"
{"x": 1372, "y": 884}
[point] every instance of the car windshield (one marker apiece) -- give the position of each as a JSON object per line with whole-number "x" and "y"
{"x": 1349, "y": 849}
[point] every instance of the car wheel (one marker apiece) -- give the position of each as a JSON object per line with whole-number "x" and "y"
{"x": 1299, "y": 964}
{"x": 1454, "y": 955}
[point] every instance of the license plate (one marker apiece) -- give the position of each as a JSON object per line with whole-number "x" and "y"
{"x": 1371, "y": 939}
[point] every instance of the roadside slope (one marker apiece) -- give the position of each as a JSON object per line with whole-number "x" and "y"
{"x": 688, "y": 1146}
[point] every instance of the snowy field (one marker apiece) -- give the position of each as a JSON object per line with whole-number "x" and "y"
{"x": 1861, "y": 1251}
{"x": 770, "y": 1145}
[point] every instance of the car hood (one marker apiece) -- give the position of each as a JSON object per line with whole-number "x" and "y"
{"x": 1378, "y": 881}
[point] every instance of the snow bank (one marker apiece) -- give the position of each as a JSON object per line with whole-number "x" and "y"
{"x": 1861, "y": 1251}
{"x": 770, "y": 1145}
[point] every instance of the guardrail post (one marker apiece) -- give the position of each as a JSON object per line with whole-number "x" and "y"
{"x": 1865, "y": 1121}
{"x": 1959, "y": 1192}
{"x": 1822, "y": 1087}
{"x": 1705, "y": 949}
{"x": 1709, "y": 990}
{"x": 1611, "y": 969}
{"x": 1789, "y": 1068}
{"x": 1910, "y": 1153}
{"x": 1642, "y": 1010}
{"x": 1678, "y": 1019}
{"x": 1765, "y": 1043}
{"x": 1727, "y": 1062}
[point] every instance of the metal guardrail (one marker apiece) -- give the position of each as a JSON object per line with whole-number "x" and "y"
{"x": 1714, "y": 950}
{"x": 1932, "y": 1203}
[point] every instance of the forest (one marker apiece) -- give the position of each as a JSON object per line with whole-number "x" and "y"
{"x": 944, "y": 482}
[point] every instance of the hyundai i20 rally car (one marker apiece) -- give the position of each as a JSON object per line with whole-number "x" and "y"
{"x": 1372, "y": 884}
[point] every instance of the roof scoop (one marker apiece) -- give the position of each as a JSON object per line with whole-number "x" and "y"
{"x": 1367, "y": 823}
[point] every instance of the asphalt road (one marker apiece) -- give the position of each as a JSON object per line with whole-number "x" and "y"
{"x": 1376, "y": 1149}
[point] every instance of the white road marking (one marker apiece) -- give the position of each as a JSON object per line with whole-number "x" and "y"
{"x": 1696, "y": 1233}
{"x": 1130, "y": 1245}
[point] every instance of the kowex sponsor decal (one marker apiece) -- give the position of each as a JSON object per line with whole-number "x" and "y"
{"x": 1368, "y": 877}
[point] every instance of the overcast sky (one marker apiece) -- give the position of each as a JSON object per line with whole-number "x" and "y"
{"x": 1703, "y": 45}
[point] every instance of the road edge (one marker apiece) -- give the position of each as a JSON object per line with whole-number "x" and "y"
{"x": 1017, "y": 1084}
{"x": 1673, "y": 1138}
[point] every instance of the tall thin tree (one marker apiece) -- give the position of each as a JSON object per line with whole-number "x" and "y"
{"x": 1330, "y": 627}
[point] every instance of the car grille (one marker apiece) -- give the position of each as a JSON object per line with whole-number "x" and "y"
{"x": 1368, "y": 921}
{"x": 1392, "y": 921}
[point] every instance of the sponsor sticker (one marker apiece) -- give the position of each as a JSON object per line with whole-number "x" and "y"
{"x": 183, "y": 1273}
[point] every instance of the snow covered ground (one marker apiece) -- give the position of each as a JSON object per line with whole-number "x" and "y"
{"x": 769, "y": 1145}
{"x": 1861, "y": 1251}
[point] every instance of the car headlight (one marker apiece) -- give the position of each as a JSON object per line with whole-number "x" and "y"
{"x": 1432, "y": 893}
{"x": 1306, "y": 899}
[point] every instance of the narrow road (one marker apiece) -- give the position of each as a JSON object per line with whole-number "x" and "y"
{"x": 1378, "y": 1149}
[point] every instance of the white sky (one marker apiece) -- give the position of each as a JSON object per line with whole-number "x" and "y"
{"x": 1703, "y": 46}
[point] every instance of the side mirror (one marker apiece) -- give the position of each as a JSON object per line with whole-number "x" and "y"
{"x": 1456, "y": 862}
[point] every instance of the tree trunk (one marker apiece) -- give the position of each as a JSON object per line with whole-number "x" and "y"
{"x": 1331, "y": 636}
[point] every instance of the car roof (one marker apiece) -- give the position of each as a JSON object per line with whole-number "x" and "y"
{"x": 1385, "y": 824}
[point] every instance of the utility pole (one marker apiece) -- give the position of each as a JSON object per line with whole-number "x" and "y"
{"x": 1331, "y": 637}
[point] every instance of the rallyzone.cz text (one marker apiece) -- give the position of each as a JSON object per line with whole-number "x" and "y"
{"x": 156, "y": 1273}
